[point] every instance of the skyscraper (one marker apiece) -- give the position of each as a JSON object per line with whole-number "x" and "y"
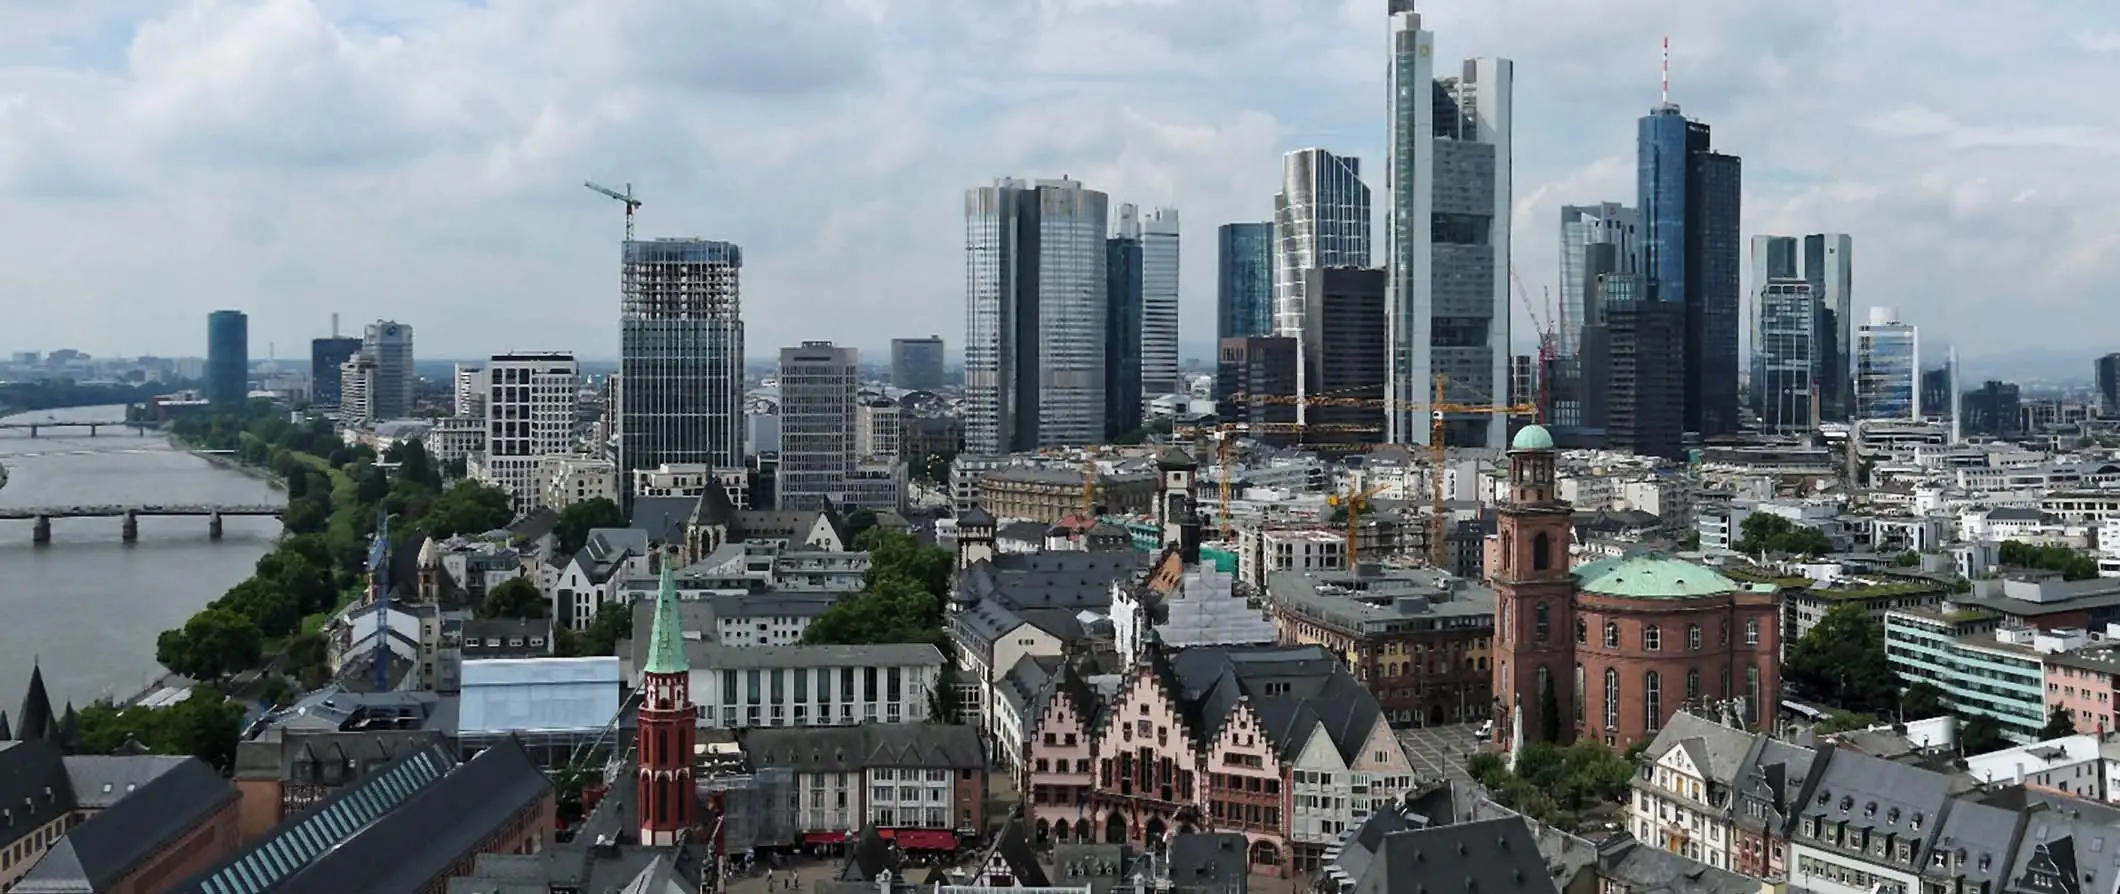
{"x": 1035, "y": 292}
{"x": 1821, "y": 259}
{"x": 817, "y": 431}
{"x": 2108, "y": 370}
{"x": 1448, "y": 184}
{"x": 1123, "y": 285}
{"x": 1787, "y": 350}
{"x": 1159, "y": 303}
{"x": 1346, "y": 317}
{"x": 529, "y": 414}
{"x": 1689, "y": 202}
{"x": 227, "y": 357}
{"x": 1244, "y": 280}
{"x": 680, "y": 354}
{"x": 1320, "y": 219}
{"x": 1583, "y": 226}
{"x": 916, "y": 363}
{"x": 326, "y": 356}
{"x": 1887, "y": 368}
{"x": 1642, "y": 401}
{"x": 389, "y": 344}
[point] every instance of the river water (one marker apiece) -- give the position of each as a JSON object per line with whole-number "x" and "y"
{"x": 88, "y": 607}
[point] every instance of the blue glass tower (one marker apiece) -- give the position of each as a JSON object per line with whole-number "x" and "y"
{"x": 1689, "y": 199}
{"x": 1244, "y": 281}
{"x": 227, "y": 357}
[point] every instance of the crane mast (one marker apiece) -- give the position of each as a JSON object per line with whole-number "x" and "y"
{"x": 625, "y": 197}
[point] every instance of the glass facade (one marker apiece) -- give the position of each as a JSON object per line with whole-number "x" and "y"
{"x": 1976, "y": 674}
{"x": 1244, "y": 280}
{"x": 681, "y": 354}
{"x": 1122, "y": 331}
{"x": 1035, "y": 298}
{"x": 227, "y": 357}
{"x": 326, "y": 356}
{"x": 1887, "y": 371}
{"x": 1787, "y": 355}
{"x": 1689, "y": 203}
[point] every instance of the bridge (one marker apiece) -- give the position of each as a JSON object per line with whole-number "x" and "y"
{"x": 130, "y": 516}
{"x": 93, "y": 427}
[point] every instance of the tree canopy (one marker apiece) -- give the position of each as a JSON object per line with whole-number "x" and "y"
{"x": 2071, "y": 564}
{"x": 901, "y": 601}
{"x": 1765, "y": 532}
{"x": 2059, "y": 722}
{"x": 205, "y": 725}
{"x": 467, "y": 507}
{"x": 1922, "y": 701}
{"x": 577, "y": 520}
{"x": 1555, "y": 783}
{"x": 1841, "y": 661}
{"x": 515, "y": 597}
{"x": 1980, "y": 734}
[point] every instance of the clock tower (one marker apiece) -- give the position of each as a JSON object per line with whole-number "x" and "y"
{"x": 1534, "y": 625}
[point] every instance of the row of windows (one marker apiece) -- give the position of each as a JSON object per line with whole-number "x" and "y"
{"x": 1652, "y": 694}
{"x": 1652, "y": 635}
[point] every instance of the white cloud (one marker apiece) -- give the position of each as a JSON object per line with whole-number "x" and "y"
{"x": 422, "y": 159}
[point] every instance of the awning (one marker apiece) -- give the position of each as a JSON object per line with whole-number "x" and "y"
{"x": 824, "y": 837}
{"x": 923, "y": 839}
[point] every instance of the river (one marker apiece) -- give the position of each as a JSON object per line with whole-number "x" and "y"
{"x": 88, "y": 606}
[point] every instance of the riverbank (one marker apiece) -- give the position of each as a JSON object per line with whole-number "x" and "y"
{"x": 229, "y": 462}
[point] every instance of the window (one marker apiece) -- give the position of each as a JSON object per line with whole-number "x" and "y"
{"x": 1692, "y": 684}
{"x": 1692, "y": 637}
{"x": 1541, "y": 552}
{"x": 1652, "y": 638}
{"x": 1726, "y": 631}
{"x": 1541, "y": 620}
{"x": 1545, "y": 691}
{"x": 1652, "y": 699}
{"x": 1611, "y": 634}
{"x": 1611, "y": 698}
{"x": 1752, "y": 693}
{"x": 1579, "y": 693}
{"x": 1752, "y": 632}
{"x": 1582, "y": 631}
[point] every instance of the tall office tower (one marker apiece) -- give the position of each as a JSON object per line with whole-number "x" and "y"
{"x": 1347, "y": 312}
{"x": 1448, "y": 183}
{"x": 1820, "y": 259}
{"x": 1582, "y": 227}
{"x": 1320, "y": 219}
{"x": 680, "y": 354}
{"x": 1787, "y": 351}
{"x": 470, "y": 390}
{"x": 326, "y": 356}
{"x": 1887, "y": 368}
{"x": 1996, "y": 409}
{"x": 1243, "y": 280}
{"x": 817, "y": 430}
{"x": 1035, "y": 292}
{"x": 1124, "y": 282}
{"x": 227, "y": 357}
{"x": 529, "y": 413}
{"x": 1523, "y": 379}
{"x": 916, "y": 363}
{"x": 1689, "y": 201}
{"x": 1641, "y": 402}
{"x": 357, "y": 389}
{"x": 1936, "y": 392}
{"x": 1159, "y": 304}
{"x": 1250, "y": 373}
{"x": 2108, "y": 368}
{"x": 389, "y": 344}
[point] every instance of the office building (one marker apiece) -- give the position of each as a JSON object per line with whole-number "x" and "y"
{"x": 1243, "y": 280}
{"x": 2108, "y": 370}
{"x": 1688, "y": 199}
{"x": 1320, "y": 219}
{"x": 1995, "y": 410}
{"x": 1582, "y": 227}
{"x": 326, "y": 356}
{"x": 1786, "y": 356}
{"x": 1255, "y": 382}
{"x": 1035, "y": 293}
{"x": 1124, "y": 275}
{"x": 916, "y": 363}
{"x": 529, "y": 411}
{"x": 1887, "y": 368}
{"x": 680, "y": 355}
{"x": 1820, "y": 259}
{"x": 817, "y": 424}
{"x": 879, "y": 429}
{"x": 227, "y": 357}
{"x": 1642, "y": 402}
{"x": 357, "y": 386}
{"x": 1347, "y": 315}
{"x": 469, "y": 391}
{"x": 389, "y": 344}
{"x": 1448, "y": 184}
{"x": 1159, "y": 304}
{"x": 1524, "y": 380}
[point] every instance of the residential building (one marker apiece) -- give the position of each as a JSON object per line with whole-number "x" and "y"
{"x": 469, "y": 394}
{"x": 989, "y": 639}
{"x": 1124, "y": 301}
{"x": 389, "y": 344}
{"x": 1035, "y": 294}
{"x": 1419, "y": 640}
{"x": 567, "y": 480}
{"x": 738, "y": 618}
{"x": 1688, "y": 200}
{"x": 2085, "y": 684}
{"x": 1347, "y": 315}
{"x": 1159, "y": 304}
{"x": 681, "y": 354}
{"x": 1255, "y": 382}
{"x": 1244, "y": 280}
{"x": 1487, "y": 855}
{"x": 817, "y": 384}
{"x": 326, "y": 357}
{"x": 1320, "y": 219}
{"x": 1871, "y": 823}
{"x": 1887, "y": 368}
{"x": 580, "y": 584}
{"x": 179, "y": 819}
{"x": 529, "y": 416}
{"x": 922, "y": 785}
{"x": 738, "y": 687}
{"x": 1788, "y": 356}
{"x": 357, "y": 389}
{"x": 1641, "y": 635}
{"x": 1684, "y": 798}
{"x": 227, "y": 357}
{"x": 916, "y": 363}
{"x": 1448, "y": 175}
{"x": 879, "y": 429}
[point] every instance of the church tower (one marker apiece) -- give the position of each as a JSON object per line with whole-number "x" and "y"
{"x": 668, "y": 800}
{"x": 1535, "y": 685}
{"x": 1176, "y": 516}
{"x": 975, "y": 537}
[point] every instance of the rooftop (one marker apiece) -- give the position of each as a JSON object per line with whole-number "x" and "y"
{"x": 1654, "y": 576}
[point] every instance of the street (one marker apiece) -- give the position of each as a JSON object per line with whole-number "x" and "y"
{"x": 1439, "y": 752}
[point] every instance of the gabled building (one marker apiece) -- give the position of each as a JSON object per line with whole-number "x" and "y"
{"x": 920, "y": 785}
{"x": 1868, "y": 822}
{"x": 583, "y": 582}
{"x": 177, "y": 822}
{"x": 287, "y": 770}
{"x": 1777, "y": 779}
{"x": 1685, "y": 798}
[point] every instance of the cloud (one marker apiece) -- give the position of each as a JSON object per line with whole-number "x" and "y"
{"x": 422, "y": 159}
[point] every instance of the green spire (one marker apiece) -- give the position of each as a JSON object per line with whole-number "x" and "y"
{"x": 666, "y": 643}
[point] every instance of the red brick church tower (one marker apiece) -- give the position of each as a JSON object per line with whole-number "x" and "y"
{"x": 1534, "y": 627}
{"x": 667, "y": 799}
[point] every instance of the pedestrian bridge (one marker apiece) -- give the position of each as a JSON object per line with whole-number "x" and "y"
{"x": 130, "y": 515}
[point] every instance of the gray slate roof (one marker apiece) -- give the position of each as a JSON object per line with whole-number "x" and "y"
{"x": 32, "y": 772}
{"x": 1883, "y": 796}
{"x": 714, "y": 656}
{"x": 101, "y": 780}
{"x": 1065, "y": 580}
{"x": 174, "y": 801}
{"x": 850, "y": 749}
{"x": 1310, "y": 691}
{"x": 1649, "y": 870}
{"x": 1209, "y": 861}
{"x": 1489, "y": 857}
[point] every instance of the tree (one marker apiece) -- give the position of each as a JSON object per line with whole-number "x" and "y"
{"x": 467, "y": 507}
{"x": 1981, "y": 734}
{"x": 577, "y": 520}
{"x": 1841, "y": 660}
{"x": 2071, "y": 564}
{"x": 371, "y": 485}
{"x": 305, "y": 515}
{"x": 942, "y": 703}
{"x": 213, "y": 644}
{"x": 205, "y": 725}
{"x": 415, "y": 465}
{"x": 613, "y": 622}
{"x": 1922, "y": 701}
{"x": 1769, "y": 533}
{"x": 900, "y": 554}
{"x": 2059, "y": 722}
{"x": 893, "y": 609}
{"x": 859, "y": 522}
{"x": 516, "y": 597}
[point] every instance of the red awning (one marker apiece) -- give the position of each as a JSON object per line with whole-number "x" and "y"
{"x": 824, "y": 837}
{"x": 923, "y": 839}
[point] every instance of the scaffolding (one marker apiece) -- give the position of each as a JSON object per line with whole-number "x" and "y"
{"x": 756, "y": 808}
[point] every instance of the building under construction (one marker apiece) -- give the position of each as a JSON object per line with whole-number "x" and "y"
{"x": 681, "y": 353}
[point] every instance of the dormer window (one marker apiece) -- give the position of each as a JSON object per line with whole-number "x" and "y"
{"x": 1915, "y": 823}
{"x": 1846, "y": 803}
{"x": 1892, "y": 815}
{"x": 1869, "y": 810}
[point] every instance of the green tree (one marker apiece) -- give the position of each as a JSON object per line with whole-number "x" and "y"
{"x": 205, "y": 725}
{"x": 900, "y": 554}
{"x": 1769, "y": 533}
{"x": 893, "y": 609}
{"x": 1906, "y": 559}
{"x": 305, "y": 515}
{"x": 516, "y": 597}
{"x": 2059, "y": 722}
{"x": 942, "y": 703}
{"x": 1981, "y": 734}
{"x": 213, "y": 644}
{"x": 576, "y": 521}
{"x": 1922, "y": 701}
{"x": 467, "y": 507}
{"x": 415, "y": 465}
{"x": 2071, "y": 564}
{"x": 613, "y": 622}
{"x": 859, "y": 522}
{"x": 371, "y": 485}
{"x": 1841, "y": 660}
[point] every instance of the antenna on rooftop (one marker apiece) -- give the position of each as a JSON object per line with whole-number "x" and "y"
{"x": 1667, "y": 69}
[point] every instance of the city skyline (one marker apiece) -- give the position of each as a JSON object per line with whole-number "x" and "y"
{"x": 112, "y": 141}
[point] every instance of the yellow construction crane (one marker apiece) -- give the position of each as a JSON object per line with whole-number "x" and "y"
{"x": 1439, "y": 455}
{"x": 626, "y": 197}
{"x": 1225, "y": 459}
{"x": 1355, "y": 503}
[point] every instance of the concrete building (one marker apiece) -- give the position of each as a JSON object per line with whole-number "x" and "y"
{"x": 1159, "y": 304}
{"x": 566, "y": 480}
{"x": 389, "y": 344}
{"x": 1255, "y": 382}
{"x": 326, "y": 357}
{"x": 1689, "y": 197}
{"x": 1320, "y": 219}
{"x": 1244, "y": 280}
{"x": 1449, "y": 163}
{"x": 1035, "y": 293}
{"x": 529, "y": 415}
{"x": 469, "y": 394}
{"x": 1417, "y": 639}
{"x": 817, "y": 424}
{"x": 756, "y": 686}
{"x": 916, "y": 363}
{"x": 681, "y": 354}
{"x": 879, "y": 428}
{"x": 227, "y": 357}
{"x": 1887, "y": 368}
{"x": 924, "y": 785}
{"x": 1642, "y": 400}
{"x": 357, "y": 391}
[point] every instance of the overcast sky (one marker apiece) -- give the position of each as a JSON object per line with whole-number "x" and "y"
{"x": 423, "y": 159}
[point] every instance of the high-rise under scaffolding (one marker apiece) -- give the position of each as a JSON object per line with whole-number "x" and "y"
{"x": 680, "y": 354}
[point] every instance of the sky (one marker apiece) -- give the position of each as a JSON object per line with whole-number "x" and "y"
{"x": 423, "y": 160}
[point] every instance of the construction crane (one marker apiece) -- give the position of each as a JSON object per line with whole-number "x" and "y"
{"x": 1548, "y": 339}
{"x": 1225, "y": 457}
{"x": 1354, "y": 503}
{"x": 626, "y": 197}
{"x": 1439, "y": 455}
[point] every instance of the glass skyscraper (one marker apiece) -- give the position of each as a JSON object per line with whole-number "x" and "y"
{"x": 1320, "y": 219}
{"x": 1159, "y": 303}
{"x": 1788, "y": 355}
{"x": 681, "y": 350}
{"x": 1244, "y": 280}
{"x": 1123, "y": 260}
{"x": 1688, "y": 199}
{"x": 227, "y": 357}
{"x": 326, "y": 356}
{"x": 1035, "y": 296}
{"x": 1887, "y": 368}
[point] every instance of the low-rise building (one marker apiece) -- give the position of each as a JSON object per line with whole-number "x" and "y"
{"x": 920, "y": 785}
{"x": 1869, "y": 823}
{"x": 288, "y": 769}
{"x": 2085, "y": 684}
{"x": 1685, "y": 797}
{"x": 1049, "y": 495}
{"x": 807, "y": 686}
{"x": 177, "y": 822}
{"x": 2071, "y": 765}
{"x": 1982, "y": 669}
{"x": 585, "y": 581}
{"x": 1418, "y": 639}
{"x": 567, "y": 480}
